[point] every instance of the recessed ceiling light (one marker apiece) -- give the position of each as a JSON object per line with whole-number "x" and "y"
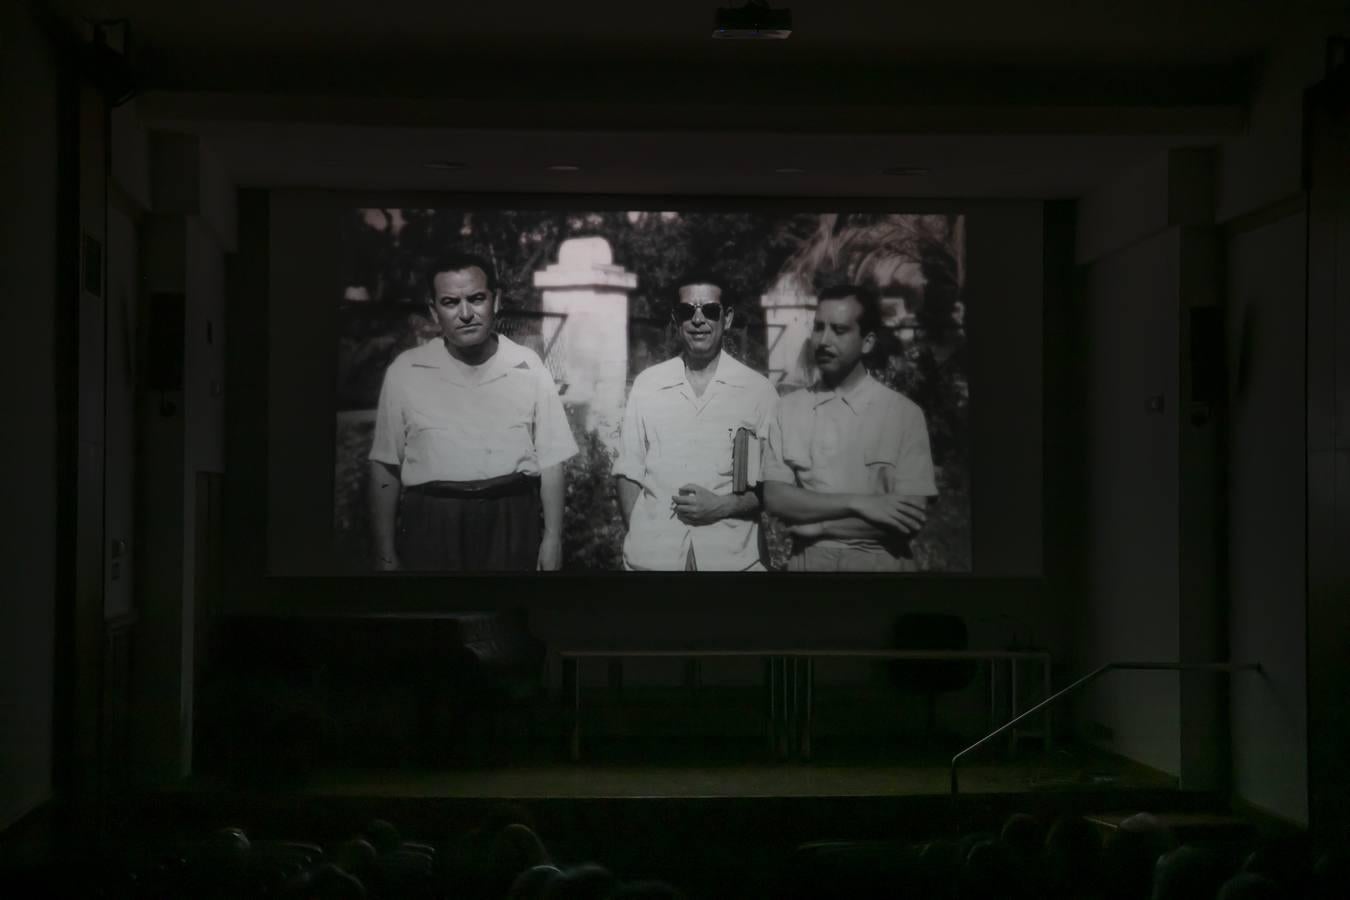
{"x": 564, "y": 167}
{"x": 788, "y": 170}
{"x": 446, "y": 165}
{"x": 905, "y": 170}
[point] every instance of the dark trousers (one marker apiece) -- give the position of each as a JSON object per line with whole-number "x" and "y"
{"x": 473, "y": 526}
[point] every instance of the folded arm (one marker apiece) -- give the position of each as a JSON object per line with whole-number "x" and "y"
{"x": 890, "y": 513}
{"x": 695, "y": 505}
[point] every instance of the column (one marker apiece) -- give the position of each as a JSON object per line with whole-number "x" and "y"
{"x": 789, "y": 310}
{"x": 586, "y": 295}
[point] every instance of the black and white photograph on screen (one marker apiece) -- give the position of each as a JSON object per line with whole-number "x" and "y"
{"x": 616, "y": 390}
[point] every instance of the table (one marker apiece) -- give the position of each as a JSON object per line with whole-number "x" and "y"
{"x": 790, "y": 684}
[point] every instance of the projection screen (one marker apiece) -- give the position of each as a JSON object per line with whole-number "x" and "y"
{"x": 652, "y": 384}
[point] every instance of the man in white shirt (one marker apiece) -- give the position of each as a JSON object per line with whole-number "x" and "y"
{"x": 470, "y": 441}
{"x": 675, "y": 470}
{"x": 847, "y": 462}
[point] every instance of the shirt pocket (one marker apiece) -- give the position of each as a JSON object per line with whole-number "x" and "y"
{"x": 829, "y": 443}
{"x": 512, "y": 410}
{"x": 726, "y": 463}
{"x": 422, "y": 420}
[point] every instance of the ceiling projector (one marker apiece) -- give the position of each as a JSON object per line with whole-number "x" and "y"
{"x": 752, "y": 22}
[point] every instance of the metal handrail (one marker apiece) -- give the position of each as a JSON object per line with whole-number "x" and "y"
{"x": 1096, "y": 673}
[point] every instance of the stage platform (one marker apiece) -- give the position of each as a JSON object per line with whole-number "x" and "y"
{"x": 849, "y": 790}
{"x": 664, "y": 773}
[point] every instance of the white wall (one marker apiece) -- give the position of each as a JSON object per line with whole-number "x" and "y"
{"x": 1328, "y": 459}
{"x": 1267, "y": 514}
{"x": 1147, "y": 248}
{"x": 123, "y": 307}
{"x": 204, "y": 350}
{"x": 28, "y": 406}
{"x": 1260, "y": 199}
{"x": 1258, "y": 202}
{"x": 129, "y": 190}
{"x": 1131, "y": 609}
{"x": 189, "y": 231}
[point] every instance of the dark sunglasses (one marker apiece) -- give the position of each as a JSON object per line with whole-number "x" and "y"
{"x": 711, "y": 311}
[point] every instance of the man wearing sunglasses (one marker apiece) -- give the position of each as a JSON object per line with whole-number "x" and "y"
{"x": 847, "y": 462}
{"x": 675, "y": 472}
{"x": 470, "y": 440}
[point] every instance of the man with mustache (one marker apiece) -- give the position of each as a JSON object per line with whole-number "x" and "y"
{"x": 847, "y": 463}
{"x": 675, "y": 473}
{"x": 470, "y": 441}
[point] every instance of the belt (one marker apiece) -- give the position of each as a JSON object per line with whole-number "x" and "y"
{"x": 898, "y": 546}
{"x": 511, "y": 485}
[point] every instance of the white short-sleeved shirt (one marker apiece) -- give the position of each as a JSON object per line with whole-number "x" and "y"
{"x": 442, "y": 420}
{"x": 870, "y": 440}
{"x": 672, "y": 437}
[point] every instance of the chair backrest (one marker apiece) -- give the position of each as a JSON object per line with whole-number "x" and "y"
{"x": 931, "y": 631}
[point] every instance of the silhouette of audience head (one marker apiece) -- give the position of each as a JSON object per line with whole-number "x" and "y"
{"x": 1287, "y": 861}
{"x": 504, "y": 859}
{"x": 356, "y": 856}
{"x": 645, "y": 890}
{"x": 1131, "y": 854}
{"x": 324, "y": 882}
{"x": 1250, "y": 886}
{"x": 1187, "y": 873}
{"x": 968, "y": 841}
{"x": 1073, "y": 857}
{"x": 383, "y": 836}
{"x": 588, "y": 881}
{"x": 1330, "y": 875}
{"x": 939, "y": 867}
{"x": 497, "y": 859}
{"x": 991, "y": 871}
{"x": 485, "y": 861}
{"x": 1024, "y": 835}
{"x": 533, "y": 883}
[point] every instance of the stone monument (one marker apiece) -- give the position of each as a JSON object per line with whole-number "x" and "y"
{"x": 590, "y": 295}
{"x": 789, "y": 311}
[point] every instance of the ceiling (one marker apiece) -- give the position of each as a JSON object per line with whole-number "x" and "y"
{"x": 316, "y": 155}
{"x": 1140, "y": 33}
{"x": 1043, "y": 98}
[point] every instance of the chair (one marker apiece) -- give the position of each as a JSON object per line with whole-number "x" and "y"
{"x": 290, "y": 691}
{"x": 503, "y": 673}
{"x": 931, "y": 631}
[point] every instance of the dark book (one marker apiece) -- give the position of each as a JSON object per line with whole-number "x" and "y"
{"x": 745, "y": 460}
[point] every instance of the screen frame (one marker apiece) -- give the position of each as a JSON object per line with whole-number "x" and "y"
{"x": 272, "y": 204}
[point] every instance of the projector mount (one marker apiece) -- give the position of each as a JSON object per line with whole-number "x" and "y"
{"x": 754, "y": 21}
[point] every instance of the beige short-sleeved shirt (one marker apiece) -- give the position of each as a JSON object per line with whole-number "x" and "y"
{"x": 672, "y": 437}
{"x": 442, "y": 420}
{"x": 870, "y": 440}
